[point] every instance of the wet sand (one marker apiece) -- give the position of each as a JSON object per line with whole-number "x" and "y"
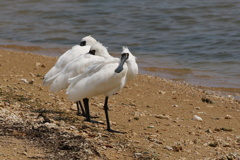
{"x": 157, "y": 115}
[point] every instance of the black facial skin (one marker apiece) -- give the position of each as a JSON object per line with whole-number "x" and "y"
{"x": 124, "y": 57}
{"x": 92, "y": 52}
{"x": 83, "y": 43}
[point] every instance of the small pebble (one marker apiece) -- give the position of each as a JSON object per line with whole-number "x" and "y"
{"x": 150, "y": 126}
{"x": 213, "y": 144}
{"x": 40, "y": 65}
{"x": 207, "y": 100}
{"x": 209, "y": 131}
{"x": 168, "y": 148}
{"x": 160, "y": 116}
{"x": 228, "y": 117}
{"x": 197, "y": 118}
{"x": 137, "y": 154}
{"x": 161, "y": 92}
{"x": 24, "y": 80}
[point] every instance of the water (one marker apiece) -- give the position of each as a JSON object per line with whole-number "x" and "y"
{"x": 195, "y": 41}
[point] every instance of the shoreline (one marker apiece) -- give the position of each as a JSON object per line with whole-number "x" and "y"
{"x": 179, "y": 75}
{"x": 157, "y": 114}
{"x": 51, "y": 52}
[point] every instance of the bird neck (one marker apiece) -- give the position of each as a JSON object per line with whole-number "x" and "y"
{"x": 132, "y": 69}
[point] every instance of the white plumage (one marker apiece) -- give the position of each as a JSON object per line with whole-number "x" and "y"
{"x": 103, "y": 78}
{"x": 99, "y": 80}
{"x": 78, "y": 66}
{"x": 67, "y": 57}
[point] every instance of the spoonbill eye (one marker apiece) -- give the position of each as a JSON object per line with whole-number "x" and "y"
{"x": 83, "y": 43}
{"x": 92, "y": 52}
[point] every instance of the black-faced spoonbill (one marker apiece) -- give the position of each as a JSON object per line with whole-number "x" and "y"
{"x": 67, "y": 57}
{"x": 106, "y": 78}
{"x": 97, "y": 55}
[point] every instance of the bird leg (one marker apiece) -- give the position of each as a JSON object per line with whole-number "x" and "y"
{"x": 87, "y": 112}
{"x": 106, "y": 113}
{"x": 78, "y": 109}
{"x": 107, "y": 117}
{"x": 86, "y": 104}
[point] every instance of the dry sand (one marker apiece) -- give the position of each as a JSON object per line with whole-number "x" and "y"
{"x": 156, "y": 114}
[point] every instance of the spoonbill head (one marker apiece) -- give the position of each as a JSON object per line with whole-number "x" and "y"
{"x": 88, "y": 41}
{"x": 126, "y": 56}
{"x": 99, "y": 50}
{"x": 131, "y": 64}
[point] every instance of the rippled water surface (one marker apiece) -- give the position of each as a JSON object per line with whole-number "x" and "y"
{"x": 195, "y": 41}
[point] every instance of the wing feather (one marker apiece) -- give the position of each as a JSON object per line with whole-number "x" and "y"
{"x": 100, "y": 79}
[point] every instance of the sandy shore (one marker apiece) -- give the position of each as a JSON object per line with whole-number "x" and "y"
{"x": 156, "y": 114}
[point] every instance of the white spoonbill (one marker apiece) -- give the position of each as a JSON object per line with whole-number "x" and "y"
{"x": 67, "y": 57}
{"x": 97, "y": 54}
{"x": 106, "y": 78}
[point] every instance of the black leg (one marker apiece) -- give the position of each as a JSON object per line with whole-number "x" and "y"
{"x": 106, "y": 113}
{"x": 107, "y": 117}
{"x": 86, "y": 104}
{"x": 79, "y": 105}
{"x": 83, "y": 112}
{"x": 87, "y": 111}
{"x": 78, "y": 108}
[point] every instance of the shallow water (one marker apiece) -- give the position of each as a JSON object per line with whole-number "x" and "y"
{"x": 195, "y": 41}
